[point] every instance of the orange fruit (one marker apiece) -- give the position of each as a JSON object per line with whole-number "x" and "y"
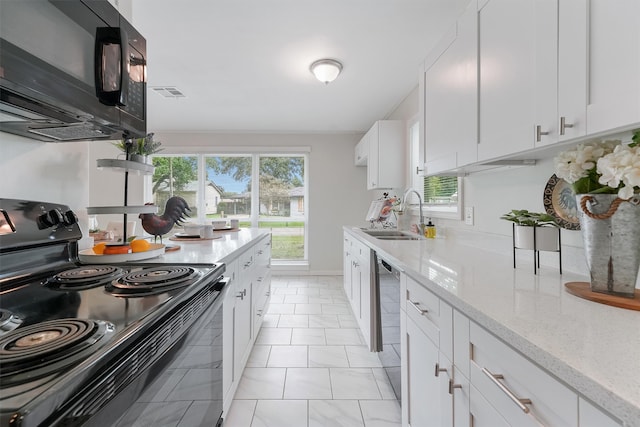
{"x": 99, "y": 248}
{"x": 140, "y": 245}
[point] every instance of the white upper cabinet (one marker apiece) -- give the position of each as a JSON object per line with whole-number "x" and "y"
{"x": 614, "y": 65}
{"x": 385, "y": 160}
{"x": 518, "y": 54}
{"x": 572, "y": 70}
{"x": 451, "y": 97}
{"x": 518, "y": 75}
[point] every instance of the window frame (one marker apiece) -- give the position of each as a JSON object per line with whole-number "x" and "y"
{"x": 200, "y": 152}
{"x": 415, "y": 151}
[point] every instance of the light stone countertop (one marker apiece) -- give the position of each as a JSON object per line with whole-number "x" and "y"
{"x": 206, "y": 252}
{"x": 592, "y": 347}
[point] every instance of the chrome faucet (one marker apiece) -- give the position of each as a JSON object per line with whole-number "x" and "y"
{"x": 404, "y": 201}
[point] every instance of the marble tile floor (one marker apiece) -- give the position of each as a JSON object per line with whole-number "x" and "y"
{"x": 309, "y": 366}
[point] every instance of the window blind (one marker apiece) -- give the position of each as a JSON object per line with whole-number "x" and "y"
{"x": 441, "y": 190}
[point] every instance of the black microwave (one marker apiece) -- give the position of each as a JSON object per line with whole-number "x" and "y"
{"x": 71, "y": 70}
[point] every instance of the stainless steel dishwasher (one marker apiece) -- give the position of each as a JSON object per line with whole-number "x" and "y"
{"x": 385, "y": 319}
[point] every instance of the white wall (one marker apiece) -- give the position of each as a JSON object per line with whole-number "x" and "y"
{"x": 47, "y": 172}
{"x": 337, "y": 188}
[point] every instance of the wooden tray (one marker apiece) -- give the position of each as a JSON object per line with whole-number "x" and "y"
{"x": 583, "y": 290}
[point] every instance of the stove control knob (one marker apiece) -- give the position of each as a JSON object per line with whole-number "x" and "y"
{"x": 70, "y": 218}
{"x": 49, "y": 219}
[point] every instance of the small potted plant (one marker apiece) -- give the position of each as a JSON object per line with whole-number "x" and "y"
{"x": 139, "y": 148}
{"x": 527, "y": 223}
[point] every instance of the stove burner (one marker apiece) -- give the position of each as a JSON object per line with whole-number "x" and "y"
{"x": 44, "y": 348}
{"x": 85, "y": 277}
{"x": 8, "y": 321}
{"x": 153, "y": 280}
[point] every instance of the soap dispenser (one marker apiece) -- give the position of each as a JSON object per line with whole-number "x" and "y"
{"x": 430, "y": 230}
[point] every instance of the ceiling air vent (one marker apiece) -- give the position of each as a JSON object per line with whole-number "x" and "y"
{"x": 168, "y": 91}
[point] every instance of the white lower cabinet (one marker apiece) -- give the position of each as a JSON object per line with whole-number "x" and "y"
{"x": 228, "y": 315}
{"x": 245, "y": 300}
{"x": 262, "y": 286}
{"x": 357, "y": 283}
{"x": 422, "y": 397}
{"x": 456, "y": 373}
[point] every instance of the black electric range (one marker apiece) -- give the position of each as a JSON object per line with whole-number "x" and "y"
{"x": 92, "y": 344}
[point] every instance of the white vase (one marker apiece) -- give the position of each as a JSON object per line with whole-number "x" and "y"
{"x": 140, "y": 158}
{"x": 546, "y": 238}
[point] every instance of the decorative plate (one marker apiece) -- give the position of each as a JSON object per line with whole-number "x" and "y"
{"x": 187, "y": 236}
{"x": 560, "y": 201}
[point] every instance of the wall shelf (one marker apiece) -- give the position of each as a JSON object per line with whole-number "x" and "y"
{"x": 143, "y": 209}
{"x": 126, "y": 166}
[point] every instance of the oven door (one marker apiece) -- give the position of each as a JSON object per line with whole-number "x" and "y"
{"x": 182, "y": 385}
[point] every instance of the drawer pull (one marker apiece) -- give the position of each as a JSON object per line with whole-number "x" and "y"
{"x": 564, "y": 125}
{"x": 495, "y": 378}
{"x": 439, "y": 369}
{"x": 453, "y": 386}
{"x": 415, "y": 305}
{"x": 539, "y": 133}
{"x": 241, "y": 294}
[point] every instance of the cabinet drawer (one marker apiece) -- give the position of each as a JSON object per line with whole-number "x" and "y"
{"x": 360, "y": 250}
{"x": 423, "y": 308}
{"x": 506, "y": 379}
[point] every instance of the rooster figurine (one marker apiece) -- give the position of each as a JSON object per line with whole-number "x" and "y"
{"x": 174, "y": 213}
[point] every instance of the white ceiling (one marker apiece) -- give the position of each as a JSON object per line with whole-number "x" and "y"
{"x": 243, "y": 65}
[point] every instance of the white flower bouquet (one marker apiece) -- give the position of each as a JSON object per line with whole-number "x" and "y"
{"x": 605, "y": 167}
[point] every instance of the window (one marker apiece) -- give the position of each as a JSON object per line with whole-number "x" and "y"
{"x": 221, "y": 186}
{"x": 441, "y": 195}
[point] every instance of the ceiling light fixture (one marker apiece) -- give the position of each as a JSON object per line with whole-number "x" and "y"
{"x": 326, "y": 70}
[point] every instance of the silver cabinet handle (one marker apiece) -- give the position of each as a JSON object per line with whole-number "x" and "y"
{"x": 241, "y": 294}
{"x": 418, "y": 170}
{"x": 453, "y": 386}
{"x": 495, "y": 378}
{"x": 539, "y": 133}
{"x": 439, "y": 369}
{"x": 564, "y": 125}
{"x": 415, "y": 305}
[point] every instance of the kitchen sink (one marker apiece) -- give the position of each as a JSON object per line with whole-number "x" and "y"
{"x": 405, "y": 237}
{"x": 391, "y": 234}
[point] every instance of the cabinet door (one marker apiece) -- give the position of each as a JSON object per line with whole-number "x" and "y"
{"x": 461, "y": 400}
{"x": 572, "y": 68}
{"x": 385, "y": 163}
{"x": 451, "y": 97}
{"x": 515, "y": 41}
{"x": 347, "y": 264}
{"x": 228, "y": 309}
{"x": 356, "y": 278}
{"x": 242, "y": 312}
{"x": 482, "y": 413}
{"x": 423, "y": 388}
{"x": 614, "y": 64}
{"x": 373, "y": 159}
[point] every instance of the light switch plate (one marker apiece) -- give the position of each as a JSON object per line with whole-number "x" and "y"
{"x": 468, "y": 215}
